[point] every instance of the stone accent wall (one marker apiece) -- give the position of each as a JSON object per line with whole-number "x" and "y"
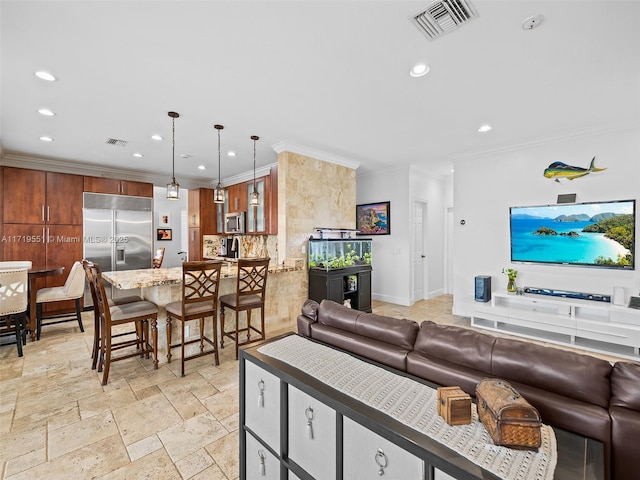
{"x": 312, "y": 193}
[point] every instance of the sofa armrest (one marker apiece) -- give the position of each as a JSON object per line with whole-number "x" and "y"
{"x": 308, "y": 316}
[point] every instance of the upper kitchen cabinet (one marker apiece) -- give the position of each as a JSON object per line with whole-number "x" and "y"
{"x": 263, "y": 219}
{"x": 237, "y": 198}
{"x": 117, "y": 187}
{"x": 37, "y": 198}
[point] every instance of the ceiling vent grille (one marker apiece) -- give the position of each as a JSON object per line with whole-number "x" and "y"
{"x": 116, "y": 142}
{"x": 442, "y": 17}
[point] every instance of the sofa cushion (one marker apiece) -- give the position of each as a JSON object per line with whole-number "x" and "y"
{"x": 443, "y": 372}
{"x": 310, "y": 309}
{"x": 338, "y": 316}
{"x": 573, "y": 375}
{"x": 460, "y": 346}
{"x": 376, "y": 350}
{"x": 625, "y": 385}
{"x": 398, "y": 331}
{"x": 625, "y": 432}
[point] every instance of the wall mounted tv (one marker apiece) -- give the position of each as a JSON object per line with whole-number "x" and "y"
{"x": 595, "y": 234}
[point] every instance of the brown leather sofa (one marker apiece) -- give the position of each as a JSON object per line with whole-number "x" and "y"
{"x": 578, "y": 393}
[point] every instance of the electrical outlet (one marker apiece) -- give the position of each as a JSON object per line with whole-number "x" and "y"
{"x": 304, "y": 249}
{"x": 186, "y": 331}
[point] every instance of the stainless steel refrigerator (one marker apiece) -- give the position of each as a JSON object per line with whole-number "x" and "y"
{"x": 117, "y": 234}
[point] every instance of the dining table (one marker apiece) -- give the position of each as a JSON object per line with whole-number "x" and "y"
{"x": 34, "y": 273}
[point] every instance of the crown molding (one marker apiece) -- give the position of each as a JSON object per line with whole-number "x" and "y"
{"x": 574, "y": 135}
{"x": 64, "y": 166}
{"x": 313, "y": 153}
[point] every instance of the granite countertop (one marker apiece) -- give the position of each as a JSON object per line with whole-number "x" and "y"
{"x": 153, "y": 277}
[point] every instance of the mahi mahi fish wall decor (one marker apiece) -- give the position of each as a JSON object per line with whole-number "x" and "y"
{"x": 558, "y": 170}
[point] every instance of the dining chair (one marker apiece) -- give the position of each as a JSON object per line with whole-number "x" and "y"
{"x": 200, "y": 287}
{"x": 13, "y": 304}
{"x": 16, "y": 264}
{"x": 158, "y": 258}
{"x": 139, "y": 313}
{"x": 86, "y": 265}
{"x": 250, "y": 292}
{"x": 73, "y": 289}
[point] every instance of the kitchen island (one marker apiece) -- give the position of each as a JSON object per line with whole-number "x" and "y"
{"x": 286, "y": 292}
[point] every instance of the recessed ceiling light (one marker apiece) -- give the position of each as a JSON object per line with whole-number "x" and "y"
{"x": 156, "y": 137}
{"x": 532, "y": 22}
{"x": 419, "y": 70}
{"x": 484, "y": 128}
{"x": 46, "y": 76}
{"x": 46, "y": 112}
{"x": 46, "y": 139}
{"x": 138, "y": 155}
{"x": 201, "y": 167}
{"x": 185, "y": 155}
{"x": 231, "y": 153}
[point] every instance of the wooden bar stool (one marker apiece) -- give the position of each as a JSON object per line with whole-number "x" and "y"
{"x": 250, "y": 291}
{"x": 140, "y": 313}
{"x": 200, "y": 283}
{"x": 86, "y": 265}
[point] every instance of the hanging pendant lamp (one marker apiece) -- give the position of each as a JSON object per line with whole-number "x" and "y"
{"x": 173, "y": 188}
{"x": 218, "y": 194}
{"x": 254, "y": 199}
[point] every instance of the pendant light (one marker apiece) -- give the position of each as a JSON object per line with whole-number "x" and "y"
{"x": 218, "y": 194}
{"x": 173, "y": 188}
{"x": 254, "y": 199}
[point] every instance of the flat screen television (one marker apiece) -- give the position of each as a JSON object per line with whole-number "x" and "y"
{"x": 594, "y": 234}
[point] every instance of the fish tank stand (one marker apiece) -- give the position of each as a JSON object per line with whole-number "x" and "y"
{"x": 340, "y": 270}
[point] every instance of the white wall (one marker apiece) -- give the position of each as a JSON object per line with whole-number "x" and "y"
{"x": 486, "y": 186}
{"x": 391, "y": 259}
{"x": 174, "y": 208}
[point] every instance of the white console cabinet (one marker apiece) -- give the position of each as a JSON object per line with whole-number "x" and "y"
{"x": 590, "y": 325}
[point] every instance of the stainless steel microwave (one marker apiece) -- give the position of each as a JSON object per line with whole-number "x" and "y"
{"x": 234, "y": 222}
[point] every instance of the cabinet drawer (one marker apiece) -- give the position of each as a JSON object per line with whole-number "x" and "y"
{"x": 260, "y": 464}
{"x": 262, "y": 404}
{"x": 367, "y": 455}
{"x": 440, "y": 475}
{"x": 312, "y": 435}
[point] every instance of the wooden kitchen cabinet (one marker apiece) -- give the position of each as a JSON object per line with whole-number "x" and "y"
{"x": 24, "y": 196}
{"x": 202, "y": 219}
{"x": 237, "y": 197}
{"x": 117, "y": 187}
{"x": 263, "y": 219}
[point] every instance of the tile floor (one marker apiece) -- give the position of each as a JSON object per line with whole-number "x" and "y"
{"x": 58, "y": 421}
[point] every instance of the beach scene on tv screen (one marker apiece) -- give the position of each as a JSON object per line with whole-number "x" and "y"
{"x": 595, "y": 234}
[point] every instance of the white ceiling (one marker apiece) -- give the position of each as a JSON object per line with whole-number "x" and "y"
{"x": 330, "y": 76}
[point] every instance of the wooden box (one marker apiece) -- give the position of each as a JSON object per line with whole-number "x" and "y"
{"x": 509, "y": 419}
{"x": 454, "y": 405}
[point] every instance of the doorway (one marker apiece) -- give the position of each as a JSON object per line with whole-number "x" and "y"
{"x": 418, "y": 257}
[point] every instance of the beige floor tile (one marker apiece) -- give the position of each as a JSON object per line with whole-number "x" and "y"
{"x": 144, "y": 447}
{"x": 91, "y": 461}
{"x": 6, "y": 419}
{"x": 116, "y": 396}
{"x": 223, "y": 404}
{"x": 155, "y": 466}
{"x": 57, "y": 415}
{"x": 225, "y": 453}
{"x": 225, "y": 379}
{"x": 17, "y": 443}
{"x": 191, "y": 435}
{"x": 211, "y": 473}
{"x": 195, "y": 463}
{"x": 143, "y": 418}
{"x": 84, "y": 433}
{"x": 26, "y": 461}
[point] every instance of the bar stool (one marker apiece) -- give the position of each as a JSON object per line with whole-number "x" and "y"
{"x": 200, "y": 282}
{"x": 158, "y": 258}
{"x": 250, "y": 291}
{"x": 73, "y": 289}
{"x": 139, "y": 313}
{"x": 13, "y": 304}
{"x": 86, "y": 265}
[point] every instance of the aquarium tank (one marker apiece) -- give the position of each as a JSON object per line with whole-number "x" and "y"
{"x": 335, "y": 253}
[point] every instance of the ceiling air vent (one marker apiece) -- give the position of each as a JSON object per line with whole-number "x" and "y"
{"x": 116, "y": 142}
{"x": 442, "y": 17}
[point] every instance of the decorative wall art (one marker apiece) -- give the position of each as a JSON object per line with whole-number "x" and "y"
{"x": 373, "y": 218}
{"x": 164, "y": 234}
{"x": 164, "y": 219}
{"x": 558, "y": 170}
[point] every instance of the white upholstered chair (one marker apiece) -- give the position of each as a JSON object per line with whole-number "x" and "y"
{"x": 15, "y": 264}
{"x": 13, "y": 304}
{"x": 73, "y": 289}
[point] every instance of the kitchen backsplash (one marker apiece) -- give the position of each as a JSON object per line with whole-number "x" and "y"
{"x": 252, "y": 246}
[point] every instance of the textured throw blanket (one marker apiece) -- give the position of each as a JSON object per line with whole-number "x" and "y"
{"x": 414, "y": 405}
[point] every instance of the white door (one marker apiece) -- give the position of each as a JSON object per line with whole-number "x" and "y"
{"x": 418, "y": 257}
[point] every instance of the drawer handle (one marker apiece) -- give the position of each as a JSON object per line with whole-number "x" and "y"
{"x": 261, "y": 394}
{"x": 381, "y": 461}
{"x": 261, "y": 471}
{"x": 309, "y": 414}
